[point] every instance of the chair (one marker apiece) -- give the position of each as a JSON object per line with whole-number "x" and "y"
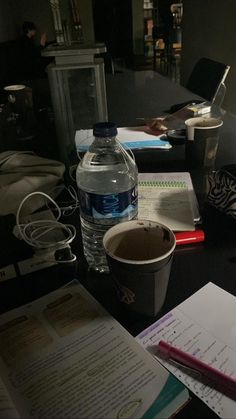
{"x": 206, "y": 80}
{"x": 168, "y": 53}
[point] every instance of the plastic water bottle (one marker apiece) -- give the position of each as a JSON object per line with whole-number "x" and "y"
{"x": 107, "y": 179}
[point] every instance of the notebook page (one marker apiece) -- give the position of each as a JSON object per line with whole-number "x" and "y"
{"x": 166, "y": 201}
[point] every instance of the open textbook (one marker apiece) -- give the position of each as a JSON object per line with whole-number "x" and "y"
{"x": 198, "y": 326}
{"x": 64, "y": 356}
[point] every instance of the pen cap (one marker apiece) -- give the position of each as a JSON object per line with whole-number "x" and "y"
{"x": 164, "y": 348}
{"x": 185, "y": 237}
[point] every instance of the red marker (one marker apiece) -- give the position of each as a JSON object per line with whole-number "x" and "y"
{"x": 187, "y": 237}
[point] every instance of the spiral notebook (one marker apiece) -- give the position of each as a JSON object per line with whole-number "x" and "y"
{"x": 168, "y": 198}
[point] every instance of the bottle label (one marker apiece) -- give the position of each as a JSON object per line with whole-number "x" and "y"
{"x": 97, "y": 207}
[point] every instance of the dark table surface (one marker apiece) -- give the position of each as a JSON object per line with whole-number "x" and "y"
{"x": 193, "y": 265}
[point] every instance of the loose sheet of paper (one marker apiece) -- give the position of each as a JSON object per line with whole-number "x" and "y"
{"x": 64, "y": 356}
{"x": 188, "y": 327}
{"x": 165, "y": 200}
{"x": 130, "y": 137}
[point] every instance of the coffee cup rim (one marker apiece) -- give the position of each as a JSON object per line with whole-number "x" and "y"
{"x": 200, "y": 118}
{"x": 140, "y": 224}
{"x": 14, "y": 87}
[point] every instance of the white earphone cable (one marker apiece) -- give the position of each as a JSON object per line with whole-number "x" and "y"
{"x": 37, "y": 233}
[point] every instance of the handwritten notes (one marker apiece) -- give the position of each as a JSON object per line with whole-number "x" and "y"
{"x": 165, "y": 200}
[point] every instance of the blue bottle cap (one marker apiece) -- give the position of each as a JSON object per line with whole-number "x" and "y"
{"x": 105, "y": 129}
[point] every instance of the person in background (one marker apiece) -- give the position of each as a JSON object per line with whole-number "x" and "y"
{"x": 166, "y": 17}
{"x": 29, "y": 31}
{"x": 31, "y": 64}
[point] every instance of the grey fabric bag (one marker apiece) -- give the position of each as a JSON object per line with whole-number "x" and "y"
{"x": 22, "y": 173}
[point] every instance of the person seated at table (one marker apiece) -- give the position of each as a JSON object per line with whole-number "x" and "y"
{"x": 29, "y": 67}
{"x": 30, "y": 63}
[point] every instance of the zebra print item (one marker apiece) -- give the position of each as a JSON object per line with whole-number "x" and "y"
{"x": 222, "y": 190}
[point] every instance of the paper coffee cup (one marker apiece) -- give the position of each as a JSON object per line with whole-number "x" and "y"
{"x": 202, "y": 127}
{"x": 203, "y": 139}
{"x": 139, "y": 254}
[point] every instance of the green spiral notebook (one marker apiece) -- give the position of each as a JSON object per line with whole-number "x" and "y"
{"x": 168, "y": 198}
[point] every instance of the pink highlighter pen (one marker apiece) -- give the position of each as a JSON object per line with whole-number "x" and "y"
{"x": 191, "y": 361}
